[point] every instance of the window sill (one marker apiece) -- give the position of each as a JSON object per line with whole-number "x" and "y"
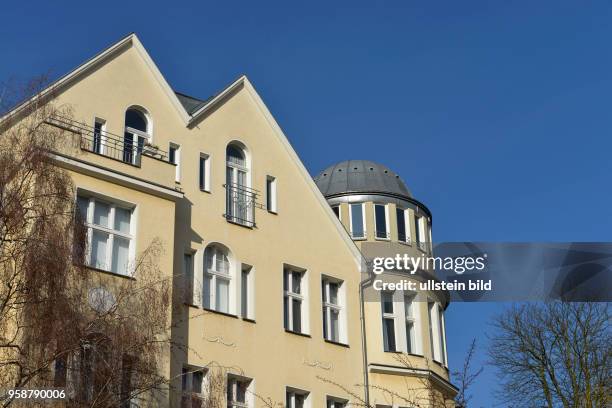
{"x": 246, "y": 319}
{"x": 298, "y": 333}
{"x": 239, "y": 223}
{"x": 337, "y": 343}
{"x": 273, "y": 212}
{"x": 405, "y": 243}
{"x": 359, "y": 238}
{"x": 382, "y": 239}
{"x": 104, "y": 271}
{"x": 191, "y": 305}
{"x": 220, "y": 313}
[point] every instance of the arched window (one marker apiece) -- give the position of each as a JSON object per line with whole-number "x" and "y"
{"x": 217, "y": 279}
{"x": 137, "y": 131}
{"x": 240, "y": 198}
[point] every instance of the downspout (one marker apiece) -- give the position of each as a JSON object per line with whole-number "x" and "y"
{"x": 364, "y": 353}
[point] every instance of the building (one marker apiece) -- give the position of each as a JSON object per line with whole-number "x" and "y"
{"x": 267, "y": 276}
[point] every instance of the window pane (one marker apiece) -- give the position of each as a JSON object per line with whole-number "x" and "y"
{"x": 296, "y": 279}
{"x": 286, "y": 312}
{"x": 136, "y": 120}
{"x": 222, "y": 295}
{"x": 82, "y": 204}
{"x": 122, "y": 220}
{"x": 99, "y": 242}
{"x": 417, "y": 229}
{"x": 297, "y": 315}
{"x": 121, "y": 249}
{"x": 333, "y": 293}
{"x": 207, "y": 291}
{"x": 101, "y": 214}
{"x": 244, "y": 300}
{"x": 235, "y": 156}
{"x": 410, "y": 337}
{"x": 325, "y": 333}
{"x": 357, "y": 229}
{"x": 334, "y": 325}
{"x": 299, "y": 401}
{"x": 387, "y": 299}
{"x": 196, "y": 385}
{"x": 241, "y": 391}
{"x": 381, "y": 221}
{"x": 401, "y": 224}
{"x": 408, "y": 307}
{"x": 202, "y": 173}
{"x": 389, "y": 334}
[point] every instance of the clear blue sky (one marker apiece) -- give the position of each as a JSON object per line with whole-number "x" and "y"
{"x": 496, "y": 114}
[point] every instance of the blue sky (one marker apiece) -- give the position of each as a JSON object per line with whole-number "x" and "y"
{"x": 496, "y": 114}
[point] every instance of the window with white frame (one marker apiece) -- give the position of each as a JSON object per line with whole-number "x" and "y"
{"x": 411, "y": 318}
{"x": 388, "y": 321}
{"x": 217, "y": 279}
{"x": 333, "y": 310}
{"x": 437, "y": 332}
{"x": 239, "y": 394}
{"x": 240, "y": 197}
{"x": 271, "y": 194}
{"x": 98, "y": 135}
{"x": 188, "y": 276}
{"x": 294, "y": 303}
{"x": 174, "y": 157}
{"x": 296, "y": 398}
{"x": 247, "y": 292}
{"x": 381, "y": 221}
{"x": 403, "y": 227}
{"x": 137, "y": 132}
{"x": 357, "y": 218}
{"x": 333, "y": 402}
{"x": 420, "y": 225}
{"x": 400, "y": 323}
{"x": 110, "y": 240}
{"x": 192, "y": 387}
{"x": 204, "y": 172}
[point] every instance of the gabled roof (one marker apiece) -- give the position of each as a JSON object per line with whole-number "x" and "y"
{"x": 190, "y": 109}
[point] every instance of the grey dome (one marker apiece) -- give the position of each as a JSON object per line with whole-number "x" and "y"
{"x": 360, "y": 176}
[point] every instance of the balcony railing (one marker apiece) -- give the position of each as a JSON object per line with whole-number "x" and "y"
{"x": 240, "y": 204}
{"x": 128, "y": 148}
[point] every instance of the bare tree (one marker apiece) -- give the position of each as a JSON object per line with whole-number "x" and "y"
{"x": 466, "y": 377}
{"x": 554, "y": 355}
{"x": 99, "y": 337}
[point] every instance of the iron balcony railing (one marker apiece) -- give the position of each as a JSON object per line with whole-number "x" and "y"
{"x": 128, "y": 148}
{"x": 240, "y": 204}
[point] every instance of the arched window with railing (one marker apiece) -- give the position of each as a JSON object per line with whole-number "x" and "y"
{"x": 137, "y": 132}
{"x": 240, "y": 197}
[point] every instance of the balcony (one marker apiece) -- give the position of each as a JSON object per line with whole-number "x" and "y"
{"x": 240, "y": 204}
{"x": 126, "y": 149}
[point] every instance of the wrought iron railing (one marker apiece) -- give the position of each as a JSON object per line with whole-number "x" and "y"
{"x": 128, "y": 149}
{"x": 240, "y": 204}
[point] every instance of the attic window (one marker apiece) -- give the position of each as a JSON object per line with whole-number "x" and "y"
{"x": 324, "y": 174}
{"x": 371, "y": 168}
{"x": 339, "y": 169}
{"x": 386, "y": 171}
{"x": 354, "y": 168}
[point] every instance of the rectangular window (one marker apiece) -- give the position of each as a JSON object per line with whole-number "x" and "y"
{"x": 192, "y": 380}
{"x": 188, "y": 277}
{"x": 442, "y": 335}
{"x": 333, "y": 310}
{"x": 294, "y": 303}
{"x": 271, "y": 194}
{"x": 247, "y": 292}
{"x": 388, "y": 321}
{"x": 420, "y": 225}
{"x": 434, "y": 332}
{"x": 98, "y": 134}
{"x": 357, "y": 216}
{"x": 333, "y": 402}
{"x": 380, "y": 218}
{"x": 217, "y": 279}
{"x": 403, "y": 233}
{"x": 296, "y": 398}
{"x": 109, "y": 235}
{"x": 238, "y": 393}
{"x": 174, "y": 156}
{"x": 411, "y": 326}
{"x": 204, "y": 172}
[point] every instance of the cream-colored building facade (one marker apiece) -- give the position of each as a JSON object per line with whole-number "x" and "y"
{"x": 266, "y": 274}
